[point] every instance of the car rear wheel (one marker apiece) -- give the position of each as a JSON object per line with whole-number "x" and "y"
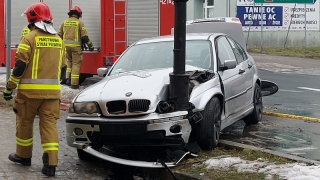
{"x": 256, "y": 114}
{"x": 207, "y": 131}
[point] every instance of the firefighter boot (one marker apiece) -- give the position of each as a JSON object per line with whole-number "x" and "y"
{"x": 46, "y": 169}
{"x": 68, "y": 81}
{"x": 23, "y": 161}
{"x": 63, "y": 81}
{"x": 63, "y": 75}
{"x": 74, "y": 86}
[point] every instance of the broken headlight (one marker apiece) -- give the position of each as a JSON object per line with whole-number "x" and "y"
{"x": 84, "y": 108}
{"x": 164, "y": 107}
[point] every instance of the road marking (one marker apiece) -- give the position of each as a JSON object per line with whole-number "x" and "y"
{"x": 289, "y": 90}
{"x": 304, "y": 118}
{"x": 301, "y": 149}
{"x": 311, "y": 89}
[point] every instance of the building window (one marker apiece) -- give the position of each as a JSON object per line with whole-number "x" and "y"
{"x": 210, "y": 12}
{"x": 208, "y": 8}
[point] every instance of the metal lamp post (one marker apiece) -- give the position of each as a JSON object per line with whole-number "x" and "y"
{"x": 179, "y": 80}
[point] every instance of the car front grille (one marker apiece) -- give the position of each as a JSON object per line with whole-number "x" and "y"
{"x": 134, "y": 106}
{"x": 139, "y": 105}
{"x": 116, "y": 107}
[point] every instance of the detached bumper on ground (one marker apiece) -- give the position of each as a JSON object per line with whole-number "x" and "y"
{"x": 126, "y": 162}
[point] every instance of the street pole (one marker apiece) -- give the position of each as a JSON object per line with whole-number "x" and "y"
{"x": 250, "y": 25}
{"x": 179, "y": 80}
{"x": 8, "y": 38}
{"x": 261, "y": 39}
{"x": 305, "y": 28}
{"x": 294, "y": 9}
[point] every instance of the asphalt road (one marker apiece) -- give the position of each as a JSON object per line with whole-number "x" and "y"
{"x": 289, "y": 136}
{"x": 298, "y": 94}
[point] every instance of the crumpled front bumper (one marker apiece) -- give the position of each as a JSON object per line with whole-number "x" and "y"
{"x": 92, "y": 126}
{"x": 126, "y": 162}
{"x": 155, "y": 122}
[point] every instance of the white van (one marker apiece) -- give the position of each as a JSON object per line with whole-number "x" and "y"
{"x": 227, "y": 25}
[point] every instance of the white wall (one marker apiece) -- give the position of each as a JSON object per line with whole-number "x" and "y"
{"x": 194, "y": 9}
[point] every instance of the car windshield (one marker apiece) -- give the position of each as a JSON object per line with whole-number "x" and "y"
{"x": 160, "y": 55}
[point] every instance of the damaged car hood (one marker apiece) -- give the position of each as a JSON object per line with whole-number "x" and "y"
{"x": 148, "y": 84}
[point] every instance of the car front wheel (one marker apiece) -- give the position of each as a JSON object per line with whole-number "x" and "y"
{"x": 207, "y": 131}
{"x": 256, "y": 114}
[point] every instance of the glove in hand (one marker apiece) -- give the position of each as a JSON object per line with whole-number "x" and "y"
{"x": 91, "y": 48}
{"x": 84, "y": 47}
{"x": 7, "y": 94}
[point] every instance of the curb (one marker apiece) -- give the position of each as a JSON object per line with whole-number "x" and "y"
{"x": 276, "y": 153}
{"x": 304, "y": 118}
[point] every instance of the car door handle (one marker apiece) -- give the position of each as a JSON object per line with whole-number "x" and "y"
{"x": 241, "y": 71}
{"x": 249, "y": 66}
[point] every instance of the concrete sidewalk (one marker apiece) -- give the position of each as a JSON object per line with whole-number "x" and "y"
{"x": 292, "y": 61}
{"x": 288, "y": 65}
{"x": 69, "y": 167}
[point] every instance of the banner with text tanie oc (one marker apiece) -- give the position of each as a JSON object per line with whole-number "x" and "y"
{"x": 277, "y": 16}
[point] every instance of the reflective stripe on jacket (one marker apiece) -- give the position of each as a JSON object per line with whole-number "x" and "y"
{"x": 72, "y": 30}
{"x": 44, "y": 55}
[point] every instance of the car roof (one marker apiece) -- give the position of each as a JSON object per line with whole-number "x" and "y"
{"x": 216, "y": 19}
{"x": 189, "y": 36}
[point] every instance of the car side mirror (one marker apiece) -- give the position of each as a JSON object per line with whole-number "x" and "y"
{"x": 268, "y": 88}
{"x": 229, "y": 64}
{"x": 102, "y": 72}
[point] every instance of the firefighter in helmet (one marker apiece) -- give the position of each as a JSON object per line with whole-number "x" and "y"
{"x": 26, "y": 30}
{"x": 75, "y": 36}
{"x": 38, "y": 63}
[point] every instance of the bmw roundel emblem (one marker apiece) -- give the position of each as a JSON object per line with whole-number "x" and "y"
{"x": 128, "y": 94}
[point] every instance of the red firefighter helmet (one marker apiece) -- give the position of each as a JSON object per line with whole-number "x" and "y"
{"x": 38, "y": 12}
{"x": 76, "y": 8}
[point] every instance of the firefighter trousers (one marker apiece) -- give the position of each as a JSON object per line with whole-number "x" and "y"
{"x": 48, "y": 111}
{"x": 74, "y": 61}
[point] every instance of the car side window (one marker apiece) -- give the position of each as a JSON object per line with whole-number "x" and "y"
{"x": 237, "y": 51}
{"x": 243, "y": 51}
{"x": 225, "y": 51}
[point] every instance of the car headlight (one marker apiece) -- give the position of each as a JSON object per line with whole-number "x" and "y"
{"x": 83, "y": 108}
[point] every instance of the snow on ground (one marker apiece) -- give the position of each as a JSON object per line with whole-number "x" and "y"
{"x": 67, "y": 94}
{"x": 294, "y": 171}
